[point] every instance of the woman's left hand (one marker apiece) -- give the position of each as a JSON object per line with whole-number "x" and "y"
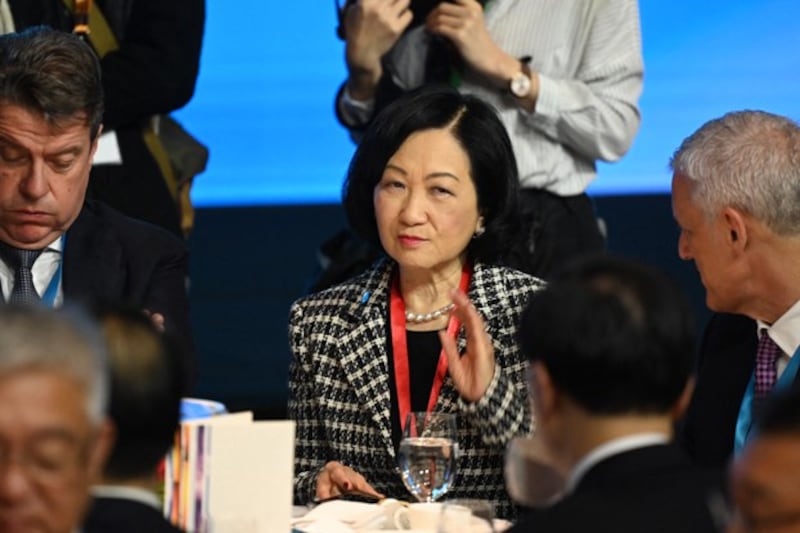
{"x": 472, "y": 372}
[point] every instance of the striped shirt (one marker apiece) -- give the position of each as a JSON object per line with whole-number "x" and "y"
{"x": 589, "y": 60}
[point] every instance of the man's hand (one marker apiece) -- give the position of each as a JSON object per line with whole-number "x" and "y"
{"x": 463, "y": 24}
{"x": 337, "y": 479}
{"x": 371, "y": 28}
{"x": 472, "y": 372}
{"x": 157, "y": 319}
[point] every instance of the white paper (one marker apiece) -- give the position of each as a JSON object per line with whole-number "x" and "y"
{"x": 250, "y": 475}
{"x": 107, "y": 150}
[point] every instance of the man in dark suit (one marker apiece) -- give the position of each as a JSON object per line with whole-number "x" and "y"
{"x": 736, "y": 198}
{"x": 610, "y": 347}
{"x": 153, "y": 72}
{"x": 54, "y": 246}
{"x": 146, "y": 388}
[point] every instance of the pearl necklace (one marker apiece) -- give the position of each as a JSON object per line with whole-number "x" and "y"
{"x": 416, "y": 318}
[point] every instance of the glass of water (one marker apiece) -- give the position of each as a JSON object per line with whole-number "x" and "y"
{"x": 428, "y": 453}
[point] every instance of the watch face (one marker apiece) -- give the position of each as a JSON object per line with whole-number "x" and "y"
{"x": 520, "y": 85}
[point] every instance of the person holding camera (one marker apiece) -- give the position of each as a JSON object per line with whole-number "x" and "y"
{"x": 564, "y": 77}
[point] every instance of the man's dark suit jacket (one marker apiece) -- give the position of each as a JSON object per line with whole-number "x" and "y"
{"x": 109, "y": 257}
{"x": 724, "y": 367}
{"x": 119, "y": 515}
{"x": 653, "y": 489}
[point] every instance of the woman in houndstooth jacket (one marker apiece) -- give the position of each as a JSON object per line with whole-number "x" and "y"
{"x": 434, "y": 182}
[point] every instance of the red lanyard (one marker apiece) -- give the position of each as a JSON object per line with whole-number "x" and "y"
{"x": 400, "y": 349}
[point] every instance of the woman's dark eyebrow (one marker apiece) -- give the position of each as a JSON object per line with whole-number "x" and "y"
{"x": 429, "y": 176}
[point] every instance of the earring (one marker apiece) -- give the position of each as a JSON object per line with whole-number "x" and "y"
{"x": 478, "y": 232}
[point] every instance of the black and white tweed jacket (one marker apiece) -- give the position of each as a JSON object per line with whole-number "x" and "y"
{"x": 339, "y": 385}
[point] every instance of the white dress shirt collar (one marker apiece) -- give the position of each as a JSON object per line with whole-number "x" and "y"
{"x": 785, "y": 332}
{"x": 42, "y": 270}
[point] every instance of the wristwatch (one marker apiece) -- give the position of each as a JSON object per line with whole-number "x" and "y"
{"x": 520, "y": 83}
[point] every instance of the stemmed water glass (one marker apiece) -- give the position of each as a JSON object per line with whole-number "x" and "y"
{"x": 428, "y": 453}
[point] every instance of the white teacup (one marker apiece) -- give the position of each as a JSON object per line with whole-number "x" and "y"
{"x": 423, "y": 516}
{"x": 456, "y": 517}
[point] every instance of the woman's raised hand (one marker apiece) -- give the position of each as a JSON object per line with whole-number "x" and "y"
{"x": 473, "y": 371}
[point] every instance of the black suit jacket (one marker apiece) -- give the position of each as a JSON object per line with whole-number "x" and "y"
{"x": 339, "y": 384}
{"x": 119, "y": 515}
{"x": 654, "y": 489}
{"x": 724, "y": 367}
{"x": 109, "y": 257}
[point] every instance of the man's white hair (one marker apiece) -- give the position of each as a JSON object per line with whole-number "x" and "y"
{"x": 65, "y": 342}
{"x": 749, "y": 160}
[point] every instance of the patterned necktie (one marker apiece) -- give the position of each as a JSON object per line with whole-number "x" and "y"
{"x": 767, "y": 356}
{"x": 21, "y": 262}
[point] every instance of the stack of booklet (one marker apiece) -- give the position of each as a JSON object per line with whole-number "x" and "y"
{"x": 229, "y": 473}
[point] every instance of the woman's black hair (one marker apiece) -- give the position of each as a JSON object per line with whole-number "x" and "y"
{"x": 477, "y": 128}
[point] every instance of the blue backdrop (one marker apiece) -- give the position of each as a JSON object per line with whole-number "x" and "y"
{"x": 264, "y": 98}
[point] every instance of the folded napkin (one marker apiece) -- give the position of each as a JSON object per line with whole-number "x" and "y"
{"x": 342, "y": 516}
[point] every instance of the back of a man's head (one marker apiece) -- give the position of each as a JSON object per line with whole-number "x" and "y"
{"x": 781, "y": 415}
{"x": 52, "y": 73}
{"x": 147, "y": 383}
{"x": 615, "y": 336}
{"x": 54, "y": 437}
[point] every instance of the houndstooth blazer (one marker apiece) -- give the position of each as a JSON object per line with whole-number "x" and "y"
{"x": 339, "y": 385}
